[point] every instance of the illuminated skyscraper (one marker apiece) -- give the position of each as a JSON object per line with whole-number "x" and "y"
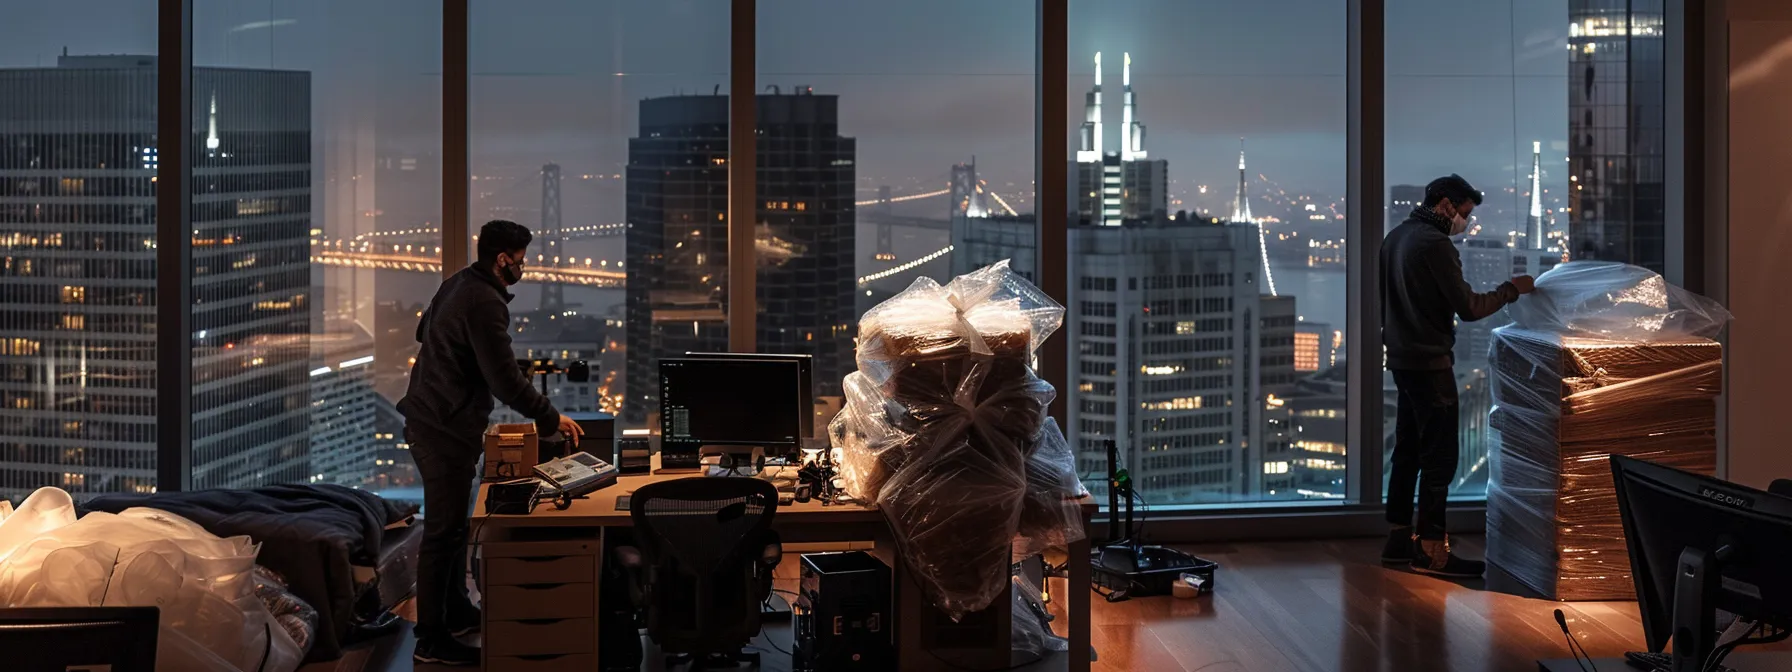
{"x": 1616, "y": 136}
{"x": 77, "y": 308}
{"x": 1535, "y": 237}
{"x": 677, "y": 260}
{"x": 1113, "y": 187}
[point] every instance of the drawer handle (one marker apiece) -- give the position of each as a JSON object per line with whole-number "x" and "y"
{"x": 540, "y": 621}
{"x": 540, "y": 586}
{"x": 548, "y": 656}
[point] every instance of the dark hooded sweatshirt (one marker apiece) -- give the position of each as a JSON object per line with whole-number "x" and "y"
{"x": 466, "y": 360}
{"x": 1422, "y": 290}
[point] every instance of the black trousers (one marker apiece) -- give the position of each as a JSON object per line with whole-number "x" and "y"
{"x": 1425, "y": 450}
{"x": 449, "y": 466}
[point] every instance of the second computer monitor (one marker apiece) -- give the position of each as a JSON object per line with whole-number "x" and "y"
{"x": 1746, "y": 534}
{"x": 806, "y": 380}
{"x": 745, "y": 401}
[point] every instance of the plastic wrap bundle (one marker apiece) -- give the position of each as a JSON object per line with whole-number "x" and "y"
{"x": 1604, "y": 359}
{"x": 945, "y": 431}
{"x": 211, "y": 619}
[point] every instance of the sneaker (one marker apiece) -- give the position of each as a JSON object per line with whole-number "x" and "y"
{"x": 1433, "y": 557}
{"x": 1398, "y": 550}
{"x": 463, "y": 622}
{"x": 445, "y": 651}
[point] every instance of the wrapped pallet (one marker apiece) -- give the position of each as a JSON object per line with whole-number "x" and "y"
{"x": 945, "y": 431}
{"x": 1603, "y": 359}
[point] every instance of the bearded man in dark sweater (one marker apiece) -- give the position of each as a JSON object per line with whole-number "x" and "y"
{"x": 1422, "y": 295}
{"x": 464, "y": 363}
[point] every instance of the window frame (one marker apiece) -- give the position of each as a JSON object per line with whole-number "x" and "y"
{"x": 1359, "y": 514}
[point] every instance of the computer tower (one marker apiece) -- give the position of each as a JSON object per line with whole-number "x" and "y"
{"x": 843, "y": 618}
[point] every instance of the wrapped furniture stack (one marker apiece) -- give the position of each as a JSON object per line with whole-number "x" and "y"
{"x": 1604, "y": 359}
{"x": 945, "y": 431}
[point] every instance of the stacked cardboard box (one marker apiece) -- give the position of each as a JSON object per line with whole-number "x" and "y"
{"x": 1563, "y": 405}
{"x": 511, "y": 451}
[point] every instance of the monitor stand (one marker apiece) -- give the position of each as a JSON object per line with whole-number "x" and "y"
{"x": 734, "y": 457}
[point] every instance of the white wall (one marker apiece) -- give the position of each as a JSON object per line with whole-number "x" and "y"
{"x": 1759, "y": 248}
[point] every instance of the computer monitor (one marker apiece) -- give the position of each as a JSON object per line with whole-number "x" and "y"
{"x": 1699, "y": 545}
{"x": 58, "y": 639}
{"x": 741, "y": 402}
{"x": 806, "y": 382}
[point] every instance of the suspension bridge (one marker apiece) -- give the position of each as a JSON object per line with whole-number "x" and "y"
{"x": 419, "y": 249}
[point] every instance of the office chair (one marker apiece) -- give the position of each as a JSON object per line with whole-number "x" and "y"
{"x": 703, "y": 565}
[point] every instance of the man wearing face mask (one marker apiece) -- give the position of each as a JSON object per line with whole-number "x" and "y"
{"x": 465, "y": 361}
{"x": 1422, "y": 294}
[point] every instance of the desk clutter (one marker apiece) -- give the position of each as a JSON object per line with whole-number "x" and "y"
{"x": 946, "y": 415}
{"x": 1604, "y": 359}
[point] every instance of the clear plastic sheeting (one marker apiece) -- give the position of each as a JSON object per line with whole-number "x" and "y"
{"x": 1604, "y": 359}
{"x": 945, "y": 431}
{"x": 1619, "y": 302}
{"x": 211, "y": 619}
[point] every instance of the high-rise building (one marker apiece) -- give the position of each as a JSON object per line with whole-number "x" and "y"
{"x": 1165, "y": 324}
{"x": 1313, "y": 349}
{"x": 77, "y": 221}
{"x": 1113, "y": 187}
{"x": 678, "y": 237}
{"x": 343, "y": 402}
{"x": 1616, "y": 131}
{"x": 1536, "y": 235}
{"x": 1402, "y": 198}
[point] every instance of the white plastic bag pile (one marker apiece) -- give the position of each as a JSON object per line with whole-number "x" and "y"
{"x": 204, "y": 585}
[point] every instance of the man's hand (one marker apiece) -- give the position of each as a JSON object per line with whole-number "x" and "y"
{"x": 1525, "y": 284}
{"x": 570, "y": 429}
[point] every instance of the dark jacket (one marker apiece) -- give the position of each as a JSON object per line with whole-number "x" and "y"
{"x": 1422, "y": 291}
{"x": 466, "y": 360}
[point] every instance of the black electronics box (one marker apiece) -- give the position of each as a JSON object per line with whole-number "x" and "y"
{"x": 842, "y": 618}
{"x": 634, "y": 455}
{"x": 514, "y": 497}
{"x": 1146, "y": 571}
{"x": 600, "y": 434}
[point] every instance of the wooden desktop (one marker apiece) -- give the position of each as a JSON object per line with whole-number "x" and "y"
{"x": 540, "y": 577}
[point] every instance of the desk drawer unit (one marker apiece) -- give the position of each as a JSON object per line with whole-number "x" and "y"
{"x": 540, "y": 604}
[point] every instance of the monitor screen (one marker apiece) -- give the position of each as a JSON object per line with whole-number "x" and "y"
{"x": 730, "y": 402}
{"x": 807, "y": 381}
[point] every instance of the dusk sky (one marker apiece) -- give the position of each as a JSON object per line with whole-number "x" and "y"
{"x": 923, "y": 83}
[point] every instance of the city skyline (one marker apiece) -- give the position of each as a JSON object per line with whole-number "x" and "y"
{"x": 558, "y": 96}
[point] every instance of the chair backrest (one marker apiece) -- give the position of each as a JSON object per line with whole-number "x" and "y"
{"x": 701, "y": 539}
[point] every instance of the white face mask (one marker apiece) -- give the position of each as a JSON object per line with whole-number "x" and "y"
{"x": 1458, "y": 224}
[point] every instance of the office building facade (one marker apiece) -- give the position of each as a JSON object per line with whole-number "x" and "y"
{"x": 77, "y": 196}
{"x": 344, "y": 448}
{"x": 677, "y": 269}
{"x": 1616, "y": 131}
{"x": 1167, "y": 325}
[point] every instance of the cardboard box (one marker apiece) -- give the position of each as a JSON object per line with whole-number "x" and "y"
{"x": 1563, "y": 406}
{"x": 511, "y": 451}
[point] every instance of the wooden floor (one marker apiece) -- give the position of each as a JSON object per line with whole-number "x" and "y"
{"x": 1311, "y": 606}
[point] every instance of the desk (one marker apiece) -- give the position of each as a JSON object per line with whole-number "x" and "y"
{"x": 1740, "y": 661}
{"x": 555, "y": 557}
